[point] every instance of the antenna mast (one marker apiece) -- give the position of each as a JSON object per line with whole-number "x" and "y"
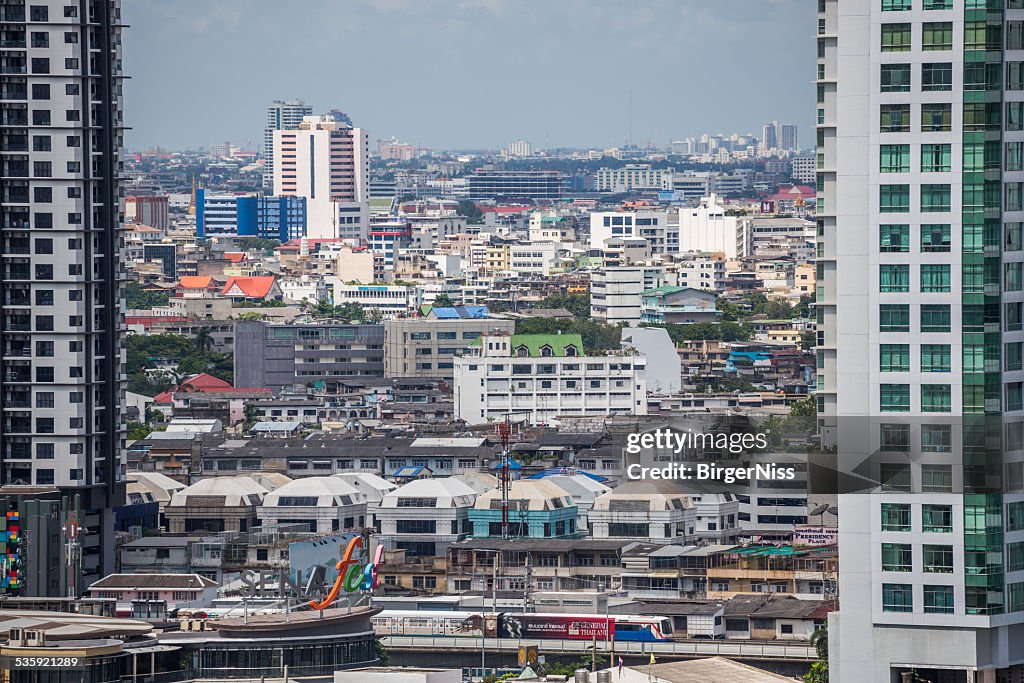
{"x": 503, "y": 431}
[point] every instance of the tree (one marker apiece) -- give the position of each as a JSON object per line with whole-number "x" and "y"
{"x": 442, "y": 300}
{"x": 596, "y": 336}
{"x": 470, "y": 210}
{"x": 137, "y": 430}
{"x": 808, "y": 341}
{"x": 203, "y": 340}
{"x": 577, "y": 304}
{"x": 817, "y": 674}
{"x": 136, "y": 298}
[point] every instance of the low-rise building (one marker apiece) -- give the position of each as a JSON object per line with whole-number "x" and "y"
{"x": 678, "y": 305}
{"x": 426, "y": 347}
{"x": 537, "y": 508}
{"x": 538, "y": 378}
{"x": 652, "y": 511}
{"x": 214, "y": 505}
{"x": 425, "y": 516}
{"x": 320, "y": 504}
{"x": 177, "y": 590}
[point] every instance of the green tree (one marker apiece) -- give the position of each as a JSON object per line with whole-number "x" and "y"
{"x": 137, "y": 430}
{"x": 251, "y": 316}
{"x": 817, "y": 674}
{"x": 577, "y": 304}
{"x": 203, "y": 340}
{"x": 808, "y": 341}
{"x": 470, "y": 210}
{"x": 442, "y": 300}
{"x": 596, "y": 336}
{"x": 136, "y": 298}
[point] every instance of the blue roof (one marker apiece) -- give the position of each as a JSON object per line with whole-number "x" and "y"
{"x": 410, "y": 471}
{"x": 454, "y": 312}
{"x": 567, "y": 471}
{"x": 512, "y": 465}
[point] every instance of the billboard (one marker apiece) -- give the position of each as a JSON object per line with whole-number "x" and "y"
{"x": 815, "y": 535}
{"x": 307, "y": 556}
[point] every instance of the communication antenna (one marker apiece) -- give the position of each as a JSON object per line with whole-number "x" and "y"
{"x": 503, "y": 432}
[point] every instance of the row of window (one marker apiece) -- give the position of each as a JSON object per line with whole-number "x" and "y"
{"x": 935, "y": 77}
{"x": 934, "y": 198}
{"x": 935, "y": 158}
{"x": 896, "y": 317}
{"x": 893, "y": 238}
{"x": 935, "y": 398}
{"x": 937, "y": 117}
{"x": 907, "y": 5}
{"x": 936, "y": 277}
{"x": 935, "y": 559}
{"x": 899, "y": 597}
{"x": 938, "y": 35}
{"x": 896, "y": 358}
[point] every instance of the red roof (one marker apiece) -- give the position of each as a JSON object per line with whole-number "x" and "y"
{"x": 253, "y": 287}
{"x": 296, "y": 245}
{"x": 202, "y": 383}
{"x": 234, "y": 256}
{"x": 196, "y": 282}
{"x": 147, "y": 320}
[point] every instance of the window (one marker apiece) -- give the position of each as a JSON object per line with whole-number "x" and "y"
{"x": 935, "y": 158}
{"x": 893, "y": 277}
{"x": 935, "y": 198}
{"x": 1014, "y": 196}
{"x": 897, "y": 557}
{"x": 40, "y": 91}
{"x": 897, "y": 597}
{"x": 894, "y": 476}
{"x": 42, "y": 169}
{"x": 894, "y": 158}
{"x": 938, "y": 599}
{"x": 894, "y": 398}
{"x": 937, "y": 35}
{"x": 938, "y": 559}
{"x": 936, "y": 117}
{"x": 937, "y": 518}
{"x": 979, "y": 35}
{"x": 895, "y": 517}
{"x": 894, "y": 438}
{"x": 1013, "y": 160}
{"x": 896, "y": 5}
{"x": 1015, "y": 116}
{"x": 1015, "y": 75}
{"x": 938, "y": 4}
{"x": 42, "y": 195}
{"x": 937, "y": 478}
{"x": 40, "y": 65}
{"x": 895, "y": 78}
{"x": 41, "y": 143}
{"x": 895, "y": 37}
{"x": 1012, "y": 276}
{"x": 1014, "y": 233}
{"x": 895, "y": 198}
{"x": 895, "y": 118}
{"x": 935, "y": 357}
{"x": 935, "y": 318}
{"x": 936, "y": 77}
{"x": 893, "y": 238}
{"x": 894, "y": 318}
{"x": 894, "y": 358}
{"x": 935, "y": 277}
{"x": 935, "y": 238}
{"x": 936, "y": 398}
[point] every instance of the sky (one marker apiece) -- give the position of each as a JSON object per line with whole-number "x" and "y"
{"x": 464, "y": 74}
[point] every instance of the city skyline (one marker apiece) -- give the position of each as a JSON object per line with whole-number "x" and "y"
{"x": 444, "y": 107}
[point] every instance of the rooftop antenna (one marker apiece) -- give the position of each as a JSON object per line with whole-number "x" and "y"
{"x": 504, "y": 429}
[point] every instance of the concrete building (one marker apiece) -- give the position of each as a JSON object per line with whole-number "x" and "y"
{"x": 323, "y": 505}
{"x": 707, "y": 228}
{"x": 495, "y": 184}
{"x": 539, "y": 378}
{"x": 678, "y": 306}
{"x": 700, "y": 271}
{"x": 227, "y": 215}
{"x": 214, "y": 505}
{"x": 322, "y": 355}
{"x": 652, "y": 511}
{"x": 61, "y": 288}
{"x": 663, "y": 373}
{"x": 538, "y": 508}
{"x": 803, "y": 169}
{"x": 651, "y": 224}
{"x": 425, "y": 516}
{"x": 327, "y": 162}
{"x": 919, "y": 338}
{"x": 632, "y": 177}
{"x": 426, "y": 347}
{"x": 280, "y": 116}
{"x": 616, "y": 293}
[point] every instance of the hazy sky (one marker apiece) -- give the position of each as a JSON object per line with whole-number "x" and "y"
{"x": 469, "y": 73}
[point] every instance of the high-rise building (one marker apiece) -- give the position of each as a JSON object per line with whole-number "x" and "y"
{"x": 62, "y": 327}
{"x": 327, "y": 162}
{"x": 280, "y": 116}
{"x": 769, "y": 135}
{"x": 788, "y": 136}
{"x": 919, "y": 305}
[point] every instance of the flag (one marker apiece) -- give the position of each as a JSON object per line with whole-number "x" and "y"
{"x": 620, "y": 666}
{"x": 653, "y": 661}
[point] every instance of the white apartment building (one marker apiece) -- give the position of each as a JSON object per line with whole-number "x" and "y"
{"x": 699, "y": 271}
{"x": 633, "y": 177}
{"x": 425, "y": 516}
{"x": 533, "y": 259}
{"x": 387, "y": 300}
{"x": 280, "y": 116}
{"x": 920, "y": 334}
{"x": 322, "y": 505}
{"x": 706, "y": 227}
{"x": 647, "y": 511}
{"x": 327, "y": 162}
{"x": 539, "y": 378}
{"x": 803, "y": 169}
{"x": 616, "y": 293}
{"x": 550, "y": 226}
{"x": 652, "y": 225}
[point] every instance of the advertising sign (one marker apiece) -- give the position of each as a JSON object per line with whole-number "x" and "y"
{"x": 563, "y": 628}
{"x": 815, "y": 535}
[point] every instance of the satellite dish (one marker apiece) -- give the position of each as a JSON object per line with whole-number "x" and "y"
{"x": 820, "y": 510}
{"x": 833, "y": 510}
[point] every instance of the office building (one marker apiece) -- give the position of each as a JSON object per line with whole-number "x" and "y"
{"x": 61, "y": 292}
{"x": 322, "y": 356}
{"x": 519, "y": 148}
{"x": 803, "y": 169}
{"x": 280, "y": 116}
{"x": 493, "y": 184}
{"x": 920, "y": 334}
{"x": 650, "y": 224}
{"x": 708, "y": 228}
{"x": 616, "y": 293}
{"x": 426, "y": 347}
{"x": 327, "y": 162}
{"x": 227, "y": 215}
{"x": 632, "y": 177}
{"x": 152, "y": 210}
{"x": 538, "y": 378}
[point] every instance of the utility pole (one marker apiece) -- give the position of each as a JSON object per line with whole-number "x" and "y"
{"x": 527, "y": 591}
{"x": 504, "y": 429}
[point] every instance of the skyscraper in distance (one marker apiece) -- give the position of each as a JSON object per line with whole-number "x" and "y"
{"x": 62, "y": 328}
{"x": 281, "y": 115}
{"x": 920, "y": 301}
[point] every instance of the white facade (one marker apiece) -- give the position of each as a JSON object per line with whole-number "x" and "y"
{"x": 280, "y": 116}
{"x": 707, "y": 228}
{"x": 616, "y": 293}
{"x": 425, "y": 516}
{"x": 803, "y": 169}
{"x": 324, "y": 504}
{"x": 534, "y": 259}
{"x": 633, "y": 177}
{"x": 914, "y": 340}
{"x": 387, "y": 300}
{"x": 645, "y": 511}
{"x": 699, "y": 271}
{"x": 654, "y": 226}
{"x": 327, "y": 162}
{"x": 498, "y": 383}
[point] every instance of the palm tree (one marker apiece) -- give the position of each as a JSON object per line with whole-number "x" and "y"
{"x": 203, "y": 340}
{"x": 819, "y": 640}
